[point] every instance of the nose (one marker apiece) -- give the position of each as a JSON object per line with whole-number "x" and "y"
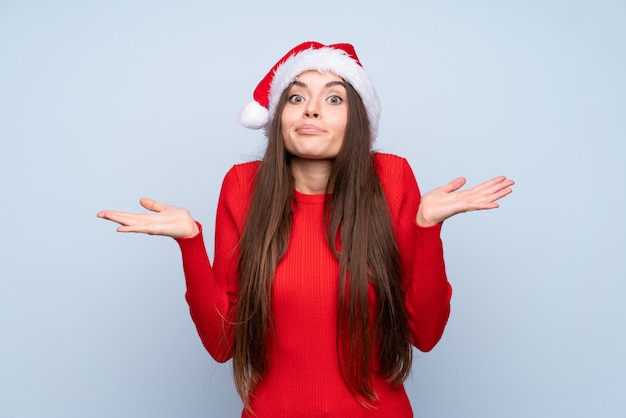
{"x": 311, "y": 111}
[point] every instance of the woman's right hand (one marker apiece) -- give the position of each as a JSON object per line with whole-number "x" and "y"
{"x": 167, "y": 220}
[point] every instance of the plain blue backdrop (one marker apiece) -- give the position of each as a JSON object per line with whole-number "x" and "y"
{"x": 103, "y": 102}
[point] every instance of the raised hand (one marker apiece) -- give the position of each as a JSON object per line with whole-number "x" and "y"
{"x": 446, "y": 201}
{"x": 167, "y": 220}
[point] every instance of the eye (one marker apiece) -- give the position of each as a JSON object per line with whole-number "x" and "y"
{"x": 296, "y": 98}
{"x": 334, "y": 99}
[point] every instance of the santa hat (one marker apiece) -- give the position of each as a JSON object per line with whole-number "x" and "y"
{"x": 340, "y": 59}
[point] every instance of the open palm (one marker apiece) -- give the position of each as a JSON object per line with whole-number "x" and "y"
{"x": 446, "y": 201}
{"x": 167, "y": 220}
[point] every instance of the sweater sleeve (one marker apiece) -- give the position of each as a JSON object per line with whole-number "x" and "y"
{"x": 212, "y": 289}
{"x": 427, "y": 290}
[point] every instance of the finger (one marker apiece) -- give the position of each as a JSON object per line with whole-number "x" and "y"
{"x": 105, "y": 214}
{"x": 454, "y": 185}
{"x": 151, "y": 205}
{"x": 492, "y": 186}
{"x": 122, "y": 218}
{"x": 136, "y": 228}
{"x": 501, "y": 193}
{"x": 502, "y": 182}
{"x": 489, "y": 201}
{"x": 501, "y": 189}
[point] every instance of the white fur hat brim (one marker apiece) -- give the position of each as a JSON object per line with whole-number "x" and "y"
{"x": 305, "y": 57}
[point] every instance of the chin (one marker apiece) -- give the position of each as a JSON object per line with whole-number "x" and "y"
{"x": 313, "y": 156}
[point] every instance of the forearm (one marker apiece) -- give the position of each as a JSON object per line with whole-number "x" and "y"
{"x": 209, "y": 304}
{"x": 428, "y": 293}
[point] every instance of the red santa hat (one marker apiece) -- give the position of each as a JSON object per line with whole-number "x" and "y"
{"x": 340, "y": 59}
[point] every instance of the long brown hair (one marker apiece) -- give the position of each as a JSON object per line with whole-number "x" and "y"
{"x": 357, "y": 214}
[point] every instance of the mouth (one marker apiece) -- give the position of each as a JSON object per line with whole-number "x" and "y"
{"x": 308, "y": 129}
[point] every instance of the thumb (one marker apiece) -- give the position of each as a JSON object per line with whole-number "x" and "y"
{"x": 151, "y": 205}
{"x": 454, "y": 185}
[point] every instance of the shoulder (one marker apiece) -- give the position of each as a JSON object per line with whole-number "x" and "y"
{"x": 398, "y": 183}
{"x": 237, "y": 188}
{"x": 388, "y": 159}
{"x": 391, "y": 168}
{"x": 241, "y": 176}
{"x": 247, "y": 169}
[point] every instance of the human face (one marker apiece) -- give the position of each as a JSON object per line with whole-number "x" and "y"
{"x": 315, "y": 115}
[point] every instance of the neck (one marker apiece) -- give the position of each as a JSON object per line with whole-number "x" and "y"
{"x": 310, "y": 176}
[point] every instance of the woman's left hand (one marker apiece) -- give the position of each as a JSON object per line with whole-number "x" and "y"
{"x": 446, "y": 201}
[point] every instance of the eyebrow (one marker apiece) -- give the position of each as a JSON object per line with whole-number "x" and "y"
{"x": 329, "y": 84}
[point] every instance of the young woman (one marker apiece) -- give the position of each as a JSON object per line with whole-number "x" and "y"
{"x": 328, "y": 264}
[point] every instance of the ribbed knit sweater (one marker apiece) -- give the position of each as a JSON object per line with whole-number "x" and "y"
{"x": 303, "y": 378}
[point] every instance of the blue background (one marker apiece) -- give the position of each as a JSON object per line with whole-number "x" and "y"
{"x": 102, "y": 103}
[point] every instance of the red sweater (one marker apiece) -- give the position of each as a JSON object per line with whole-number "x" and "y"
{"x": 303, "y": 377}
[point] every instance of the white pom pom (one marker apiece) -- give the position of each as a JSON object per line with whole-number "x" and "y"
{"x": 254, "y": 116}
